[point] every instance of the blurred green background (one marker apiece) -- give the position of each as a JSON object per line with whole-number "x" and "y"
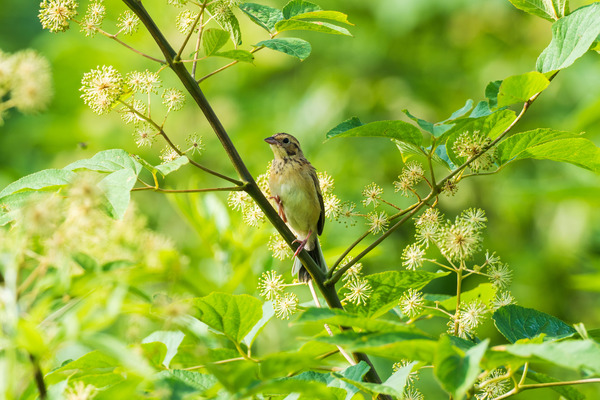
{"x": 427, "y": 56}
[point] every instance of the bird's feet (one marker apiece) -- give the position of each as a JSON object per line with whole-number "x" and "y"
{"x": 302, "y": 244}
{"x": 279, "y": 207}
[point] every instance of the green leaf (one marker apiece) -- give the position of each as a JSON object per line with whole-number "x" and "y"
{"x": 436, "y": 129}
{"x": 292, "y": 46}
{"x": 86, "y": 262}
{"x": 550, "y": 11}
{"x": 461, "y": 111}
{"x": 392, "y": 345}
{"x": 48, "y": 179}
{"x": 107, "y": 161}
{"x": 95, "y": 363}
{"x": 515, "y": 323}
{"x": 548, "y": 144}
{"x": 213, "y": 40}
{"x": 172, "y": 166}
{"x": 520, "y": 88}
{"x": 284, "y": 363}
{"x": 267, "y": 314}
{"x": 407, "y": 150}
{"x": 348, "y": 124}
{"x": 393, "y": 386}
{"x": 117, "y": 189}
{"x": 264, "y": 16}
{"x": 315, "y": 26}
{"x": 228, "y": 21}
{"x": 482, "y": 109}
{"x": 335, "y": 16}
{"x": 568, "y": 392}
{"x": 399, "y": 130}
{"x": 388, "y": 287}
{"x": 580, "y": 355}
{"x": 484, "y": 292}
{"x": 491, "y": 125}
{"x": 456, "y": 370}
{"x": 171, "y": 339}
{"x": 297, "y": 7}
{"x": 491, "y": 93}
{"x": 181, "y": 382}
{"x": 572, "y": 37}
{"x": 342, "y": 318}
{"x": 233, "y": 315}
{"x": 239, "y": 55}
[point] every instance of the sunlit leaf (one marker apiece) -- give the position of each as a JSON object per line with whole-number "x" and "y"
{"x": 292, "y": 46}
{"x": 315, "y": 26}
{"x": 550, "y": 11}
{"x": 572, "y": 36}
{"x": 573, "y": 354}
{"x": 388, "y": 287}
{"x": 213, "y": 40}
{"x": 548, "y": 144}
{"x": 399, "y": 130}
{"x": 520, "y": 88}
{"x": 238, "y": 55}
{"x": 262, "y": 15}
{"x": 298, "y": 7}
{"x": 233, "y": 315}
{"x": 334, "y": 16}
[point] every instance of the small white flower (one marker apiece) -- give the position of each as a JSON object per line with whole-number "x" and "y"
{"x": 378, "y": 222}
{"x": 372, "y": 194}
{"x": 332, "y": 206}
{"x": 271, "y": 285}
{"x": 128, "y": 22}
{"x": 56, "y": 14}
{"x": 173, "y": 99}
{"x": 411, "y": 303}
{"x": 413, "y": 257}
{"x": 500, "y": 275}
{"x": 279, "y": 247}
{"x": 285, "y": 306}
{"x": 359, "y": 291}
{"x": 101, "y": 88}
{"x": 168, "y": 154}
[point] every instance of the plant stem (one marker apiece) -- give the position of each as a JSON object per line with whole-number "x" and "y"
{"x": 458, "y": 290}
{"x": 39, "y": 377}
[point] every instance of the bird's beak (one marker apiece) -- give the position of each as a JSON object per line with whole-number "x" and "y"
{"x": 271, "y": 140}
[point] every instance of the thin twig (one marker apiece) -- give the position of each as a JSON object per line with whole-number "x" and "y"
{"x": 220, "y": 189}
{"x": 223, "y": 68}
{"x": 338, "y": 274}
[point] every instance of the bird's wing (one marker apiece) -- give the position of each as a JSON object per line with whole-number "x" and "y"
{"x": 321, "y": 222}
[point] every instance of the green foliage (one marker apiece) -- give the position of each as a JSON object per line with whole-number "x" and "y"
{"x": 572, "y": 36}
{"x": 143, "y": 318}
{"x": 292, "y": 46}
{"x": 517, "y": 323}
{"x": 457, "y": 370}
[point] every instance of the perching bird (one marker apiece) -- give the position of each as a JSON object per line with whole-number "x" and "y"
{"x": 295, "y": 187}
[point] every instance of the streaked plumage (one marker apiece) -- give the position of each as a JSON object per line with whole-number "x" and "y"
{"x": 294, "y": 185}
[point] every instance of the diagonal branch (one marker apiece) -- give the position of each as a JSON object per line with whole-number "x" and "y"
{"x": 251, "y": 187}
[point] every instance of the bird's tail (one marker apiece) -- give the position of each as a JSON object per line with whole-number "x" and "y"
{"x": 317, "y": 255}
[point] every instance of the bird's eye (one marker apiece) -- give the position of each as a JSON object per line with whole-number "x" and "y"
{"x": 286, "y": 140}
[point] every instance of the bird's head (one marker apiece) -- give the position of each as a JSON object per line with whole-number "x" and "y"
{"x": 284, "y": 145}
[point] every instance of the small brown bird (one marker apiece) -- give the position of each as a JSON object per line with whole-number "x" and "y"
{"x": 295, "y": 187}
